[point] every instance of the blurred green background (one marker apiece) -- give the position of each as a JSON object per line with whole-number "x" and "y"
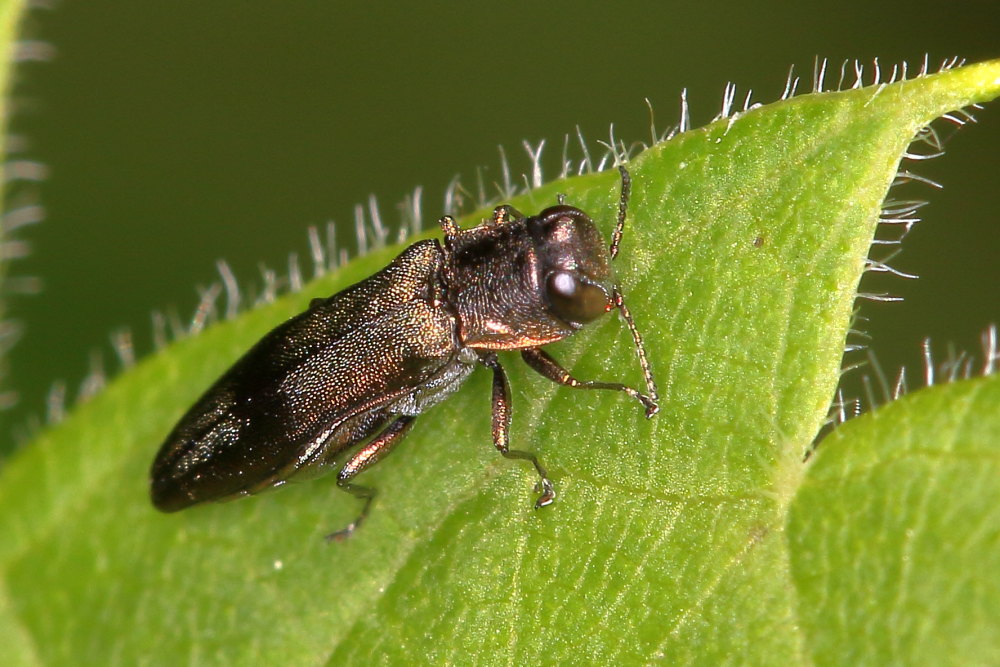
{"x": 178, "y": 133}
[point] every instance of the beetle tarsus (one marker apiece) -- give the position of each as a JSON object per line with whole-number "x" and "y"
{"x": 343, "y": 533}
{"x": 542, "y": 363}
{"x": 544, "y": 485}
{"x": 364, "y": 493}
{"x": 548, "y": 493}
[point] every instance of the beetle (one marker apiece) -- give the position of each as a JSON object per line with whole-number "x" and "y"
{"x": 355, "y": 369}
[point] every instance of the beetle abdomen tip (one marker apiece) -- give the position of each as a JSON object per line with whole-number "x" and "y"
{"x": 168, "y": 496}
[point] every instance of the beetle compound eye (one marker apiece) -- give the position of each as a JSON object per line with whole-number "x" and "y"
{"x": 574, "y": 300}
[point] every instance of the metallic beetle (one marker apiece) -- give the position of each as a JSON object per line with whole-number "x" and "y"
{"x": 359, "y": 366}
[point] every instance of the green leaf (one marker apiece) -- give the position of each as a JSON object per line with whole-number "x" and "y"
{"x": 895, "y": 534}
{"x": 670, "y": 538}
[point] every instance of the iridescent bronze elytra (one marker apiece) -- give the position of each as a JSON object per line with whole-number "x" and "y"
{"x": 366, "y": 361}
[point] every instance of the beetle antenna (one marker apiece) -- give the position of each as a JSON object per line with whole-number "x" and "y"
{"x": 616, "y": 238}
{"x": 647, "y": 373}
{"x": 619, "y": 301}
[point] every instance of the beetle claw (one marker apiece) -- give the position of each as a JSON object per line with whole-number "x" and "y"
{"x": 548, "y": 493}
{"x": 343, "y": 533}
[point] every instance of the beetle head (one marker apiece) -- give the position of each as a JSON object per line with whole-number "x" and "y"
{"x": 573, "y": 262}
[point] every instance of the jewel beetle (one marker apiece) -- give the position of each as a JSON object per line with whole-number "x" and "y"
{"x": 353, "y": 371}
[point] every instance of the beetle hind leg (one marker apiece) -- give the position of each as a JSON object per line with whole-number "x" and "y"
{"x": 501, "y": 431}
{"x": 368, "y": 456}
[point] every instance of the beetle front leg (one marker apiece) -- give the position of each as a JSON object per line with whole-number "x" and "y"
{"x": 501, "y": 429}
{"x": 368, "y": 456}
{"x": 546, "y": 366}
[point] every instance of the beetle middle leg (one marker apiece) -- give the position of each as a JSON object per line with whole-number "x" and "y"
{"x": 367, "y": 456}
{"x": 545, "y": 365}
{"x": 501, "y": 429}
